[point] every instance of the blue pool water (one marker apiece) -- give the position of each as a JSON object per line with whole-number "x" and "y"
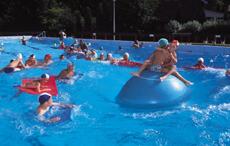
{"x": 203, "y": 119}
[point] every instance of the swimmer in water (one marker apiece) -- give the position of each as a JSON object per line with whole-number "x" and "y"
{"x": 14, "y": 65}
{"x": 47, "y": 61}
{"x": 37, "y": 84}
{"x": 91, "y": 55}
{"x": 23, "y": 40}
{"x": 62, "y": 35}
{"x": 125, "y": 57}
{"x": 31, "y": 61}
{"x": 102, "y": 57}
{"x": 227, "y": 73}
{"x": 62, "y": 57}
{"x": 83, "y": 46}
{"x": 137, "y": 44}
{"x": 75, "y": 43}
{"x": 200, "y": 64}
{"x": 62, "y": 45}
{"x": 109, "y": 58}
{"x": 66, "y": 73}
{"x": 46, "y": 103}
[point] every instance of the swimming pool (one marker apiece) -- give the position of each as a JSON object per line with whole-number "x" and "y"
{"x": 203, "y": 119}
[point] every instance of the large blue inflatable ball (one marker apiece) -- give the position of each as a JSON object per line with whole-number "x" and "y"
{"x": 148, "y": 91}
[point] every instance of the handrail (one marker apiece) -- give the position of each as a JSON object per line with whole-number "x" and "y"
{"x": 42, "y": 34}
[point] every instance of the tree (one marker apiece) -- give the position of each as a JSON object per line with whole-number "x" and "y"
{"x": 58, "y": 18}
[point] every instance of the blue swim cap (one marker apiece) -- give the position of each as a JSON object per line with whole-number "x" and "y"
{"x": 163, "y": 42}
{"x": 44, "y": 97}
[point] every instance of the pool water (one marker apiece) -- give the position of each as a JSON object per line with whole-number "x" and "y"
{"x": 203, "y": 119}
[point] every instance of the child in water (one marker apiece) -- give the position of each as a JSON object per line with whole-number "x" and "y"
{"x": 46, "y": 103}
{"x": 37, "y": 84}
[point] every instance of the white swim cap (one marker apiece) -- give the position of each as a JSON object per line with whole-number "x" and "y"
{"x": 201, "y": 59}
{"x": 45, "y": 93}
{"x": 176, "y": 42}
{"x": 46, "y": 76}
{"x": 110, "y": 54}
{"x": 19, "y": 56}
{"x": 127, "y": 54}
{"x": 102, "y": 54}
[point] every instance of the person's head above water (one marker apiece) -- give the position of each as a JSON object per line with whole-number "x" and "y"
{"x": 19, "y": 56}
{"x": 62, "y": 57}
{"x": 32, "y": 56}
{"x": 12, "y": 60}
{"x": 47, "y": 57}
{"x": 109, "y": 56}
{"x": 45, "y": 77}
{"x": 200, "y": 60}
{"x": 176, "y": 43}
{"x": 45, "y": 98}
{"x": 126, "y": 56}
{"x": 70, "y": 66}
{"x": 163, "y": 43}
{"x": 227, "y": 73}
{"x": 93, "y": 52}
{"x": 102, "y": 57}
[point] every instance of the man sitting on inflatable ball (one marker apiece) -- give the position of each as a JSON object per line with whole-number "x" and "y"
{"x": 163, "y": 60}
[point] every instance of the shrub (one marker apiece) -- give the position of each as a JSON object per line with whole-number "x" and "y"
{"x": 215, "y": 27}
{"x": 191, "y": 26}
{"x": 208, "y": 24}
{"x": 173, "y": 26}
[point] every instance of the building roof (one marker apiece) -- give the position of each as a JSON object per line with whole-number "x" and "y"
{"x": 205, "y": 1}
{"x": 213, "y": 14}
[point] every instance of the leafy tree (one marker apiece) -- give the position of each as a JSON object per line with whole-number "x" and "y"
{"x": 216, "y": 5}
{"x": 208, "y": 24}
{"x": 97, "y": 15}
{"x": 58, "y": 18}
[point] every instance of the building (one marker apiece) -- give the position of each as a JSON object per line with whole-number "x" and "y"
{"x": 213, "y": 15}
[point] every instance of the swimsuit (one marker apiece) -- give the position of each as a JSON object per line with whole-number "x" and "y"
{"x": 169, "y": 67}
{"x": 8, "y": 70}
{"x": 155, "y": 68}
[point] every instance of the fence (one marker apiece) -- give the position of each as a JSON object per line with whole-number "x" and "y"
{"x": 182, "y": 37}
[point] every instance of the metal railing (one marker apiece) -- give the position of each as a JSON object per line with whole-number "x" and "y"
{"x": 182, "y": 37}
{"x": 42, "y": 34}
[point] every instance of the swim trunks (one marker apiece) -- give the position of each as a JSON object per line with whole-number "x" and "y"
{"x": 8, "y": 70}
{"x": 155, "y": 68}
